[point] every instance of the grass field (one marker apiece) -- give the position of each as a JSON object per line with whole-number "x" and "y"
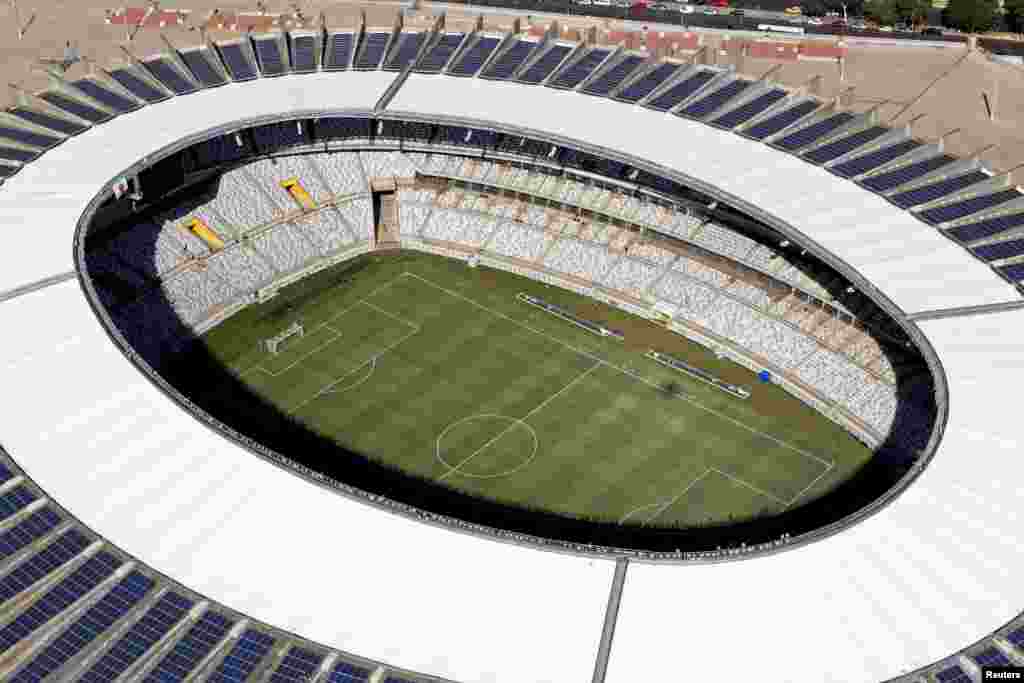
{"x": 437, "y": 368}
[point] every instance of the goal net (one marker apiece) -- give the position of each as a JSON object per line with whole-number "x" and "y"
{"x": 273, "y": 344}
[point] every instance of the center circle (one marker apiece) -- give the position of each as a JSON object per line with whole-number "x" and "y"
{"x": 468, "y": 442}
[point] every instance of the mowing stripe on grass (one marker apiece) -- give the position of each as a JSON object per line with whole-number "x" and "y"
{"x": 629, "y": 373}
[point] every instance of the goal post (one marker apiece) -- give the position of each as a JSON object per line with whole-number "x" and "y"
{"x": 272, "y": 345}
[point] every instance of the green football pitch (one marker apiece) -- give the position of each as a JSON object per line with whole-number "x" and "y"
{"x": 439, "y": 369}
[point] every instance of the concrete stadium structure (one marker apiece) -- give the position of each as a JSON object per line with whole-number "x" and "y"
{"x": 920, "y": 579}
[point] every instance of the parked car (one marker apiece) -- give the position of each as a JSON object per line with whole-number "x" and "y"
{"x": 885, "y": 29}
{"x": 815, "y": 21}
{"x": 687, "y": 9}
{"x": 932, "y": 31}
{"x": 710, "y": 10}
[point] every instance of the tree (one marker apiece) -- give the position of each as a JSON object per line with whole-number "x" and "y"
{"x": 971, "y": 16}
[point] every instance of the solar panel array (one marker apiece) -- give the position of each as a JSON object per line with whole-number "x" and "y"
{"x": 28, "y": 530}
{"x": 14, "y": 500}
{"x": 27, "y": 138}
{"x": 711, "y": 103}
{"x": 890, "y": 180}
{"x": 169, "y": 76}
{"x": 137, "y": 86}
{"x": 47, "y": 121}
{"x": 42, "y": 564}
{"x": 991, "y": 656}
{"x": 268, "y": 56}
{"x": 510, "y": 60}
{"x": 844, "y": 145}
{"x": 749, "y": 110}
{"x": 872, "y": 160}
{"x": 237, "y": 62}
{"x": 809, "y": 134}
{"x": 1016, "y": 637}
{"x": 1000, "y": 250}
{"x": 200, "y": 66}
{"x": 339, "y": 51}
{"x": 191, "y": 648}
{"x": 298, "y": 666}
{"x": 952, "y": 212}
{"x": 474, "y": 57}
{"x": 648, "y": 83}
{"x": 610, "y": 79}
{"x": 344, "y": 672}
{"x": 374, "y": 45}
{"x": 157, "y": 622}
{"x": 577, "y": 72}
{"x": 937, "y": 190}
{"x": 82, "y": 111}
{"x": 67, "y": 592}
{"x": 953, "y": 674}
{"x": 781, "y": 120}
{"x": 243, "y": 658}
{"x": 16, "y": 154}
{"x": 92, "y": 624}
{"x": 304, "y": 54}
{"x": 680, "y": 91}
{"x": 986, "y": 227}
{"x": 406, "y": 52}
{"x": 438, "y": 55}
{"x": 1015, "y": 272}
{"x": 543, "y": 66}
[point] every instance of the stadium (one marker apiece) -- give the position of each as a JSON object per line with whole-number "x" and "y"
{"x": 423, "y": 344}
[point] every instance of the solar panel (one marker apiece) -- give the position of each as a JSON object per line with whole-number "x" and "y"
{"x": 14, "y": 500}
{"x": 780, "y": 121}
{"x": 1016, "y": 637}
{"x": 243, "y": 658}
{"x": 510, "y": 60}
{"x": 374, "y": 45}
{"x": 105, "y": 97}
{"x": 937, "y": 190}
{"x": 169, "y": 76}
{"x": 1014, "y": 272}
{"x": 268, "y": 55}
{"x": 610, "y": 79}
{"x": 137, "y": 86}
{"x": 872, "y": 160}
{"x": 19, "y": 155}
{"x": 26, "y": 138}
{"x": 883, "y": 182}
{"x": 406, "y": 52}
{"x": 42, "y": 564}
{"x": 33, "y": 527}
{"x": 144, "y": 633}
{"x": 680, "y": 91}
{"x": 236, "y": 61}
{"x": 191, "y": 649}
{"x": 68, "y": 591}
{"x": 951, "y": 212}
{"x": 201, "y": 68}
{"x": 5, "y": 472}
{"x": 47, "y": 121}
{"x": 547, "y": 63}
{"x": 714, "y": 101}
{"x": 645, "y": 85}
{"x": 815, "y": 131}
{"x": 339, "y": 51}
{"x": 580, "y": 70}
{"x": 990, "y": 656}
{"x": 1000, "y": 250}
{"x": 986, "y": 228}
{"x": 83, "y": 111}
{"x": 749, "y": 110}
{"x": 474, "y": 57}
{"x": 298, "y": 665}
{"x": 440, "y": 53}
{"x": 954, "y": 674}
{"x": 343, "y": 672}
{"x": 303, "y": 54}
{"x": 845, "y": 145}
{"x": 92, "y": 624}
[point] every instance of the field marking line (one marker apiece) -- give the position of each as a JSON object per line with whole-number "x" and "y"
{"x": 323, "y": 390}
{"x": 301, "y": 358}
{"x": 748, "y": 485}
{"x": 672, "y": 502}
{"x": 808, "y": 487}
{"x": 628, "y": 373}
{"x": 546, "y": 401}
{"x": 390, "y": 315}
{"x": 327, "y": 323}
{"x": 507, "y": 473}
{"x": 373, "y": 366}
{"x": 622, "y": 520}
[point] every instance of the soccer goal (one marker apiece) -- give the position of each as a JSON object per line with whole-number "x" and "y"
{"x": 273, "y": 344}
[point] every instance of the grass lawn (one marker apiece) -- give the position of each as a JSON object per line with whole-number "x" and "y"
{"x": 437, "y": 368}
